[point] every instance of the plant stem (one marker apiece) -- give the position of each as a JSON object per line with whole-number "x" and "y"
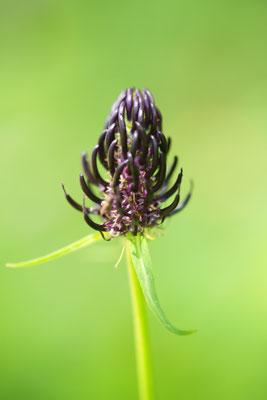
{"x": 142, "y": 347}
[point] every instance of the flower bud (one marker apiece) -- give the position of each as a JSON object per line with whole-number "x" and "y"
{"x": 133, "y": 151}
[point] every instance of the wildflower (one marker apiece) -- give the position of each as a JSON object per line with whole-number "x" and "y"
{"x": 133, "y": 150}
{"x": 131, "y": 195}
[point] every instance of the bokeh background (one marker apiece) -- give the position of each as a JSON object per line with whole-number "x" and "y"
{"x": 66, "y": 329}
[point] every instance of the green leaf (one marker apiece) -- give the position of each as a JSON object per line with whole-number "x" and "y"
{"x": 142, "y": 262}
{"x": 58, "y": 253}
{"x": 121, "y": 255}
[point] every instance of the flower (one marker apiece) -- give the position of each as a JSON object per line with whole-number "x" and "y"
{"x": 133, "y": 150}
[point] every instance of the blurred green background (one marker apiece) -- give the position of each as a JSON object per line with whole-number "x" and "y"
{"x": 66, "y": 329}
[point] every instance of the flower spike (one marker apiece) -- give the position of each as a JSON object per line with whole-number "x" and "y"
{"x": 134, "y": 151}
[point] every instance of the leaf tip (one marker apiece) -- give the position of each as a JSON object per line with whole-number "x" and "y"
{"x": 189, "y": 332}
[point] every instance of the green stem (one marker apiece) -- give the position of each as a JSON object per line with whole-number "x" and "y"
{"x": 141, "y": 332}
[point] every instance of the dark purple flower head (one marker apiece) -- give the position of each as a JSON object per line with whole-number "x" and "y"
{"x": 133, "y": 151}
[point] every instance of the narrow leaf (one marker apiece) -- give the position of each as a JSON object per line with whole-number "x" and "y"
{"x": 58, "y": 253}
{"x": 121, "y": 255}
{"x": 142, "y": 262}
